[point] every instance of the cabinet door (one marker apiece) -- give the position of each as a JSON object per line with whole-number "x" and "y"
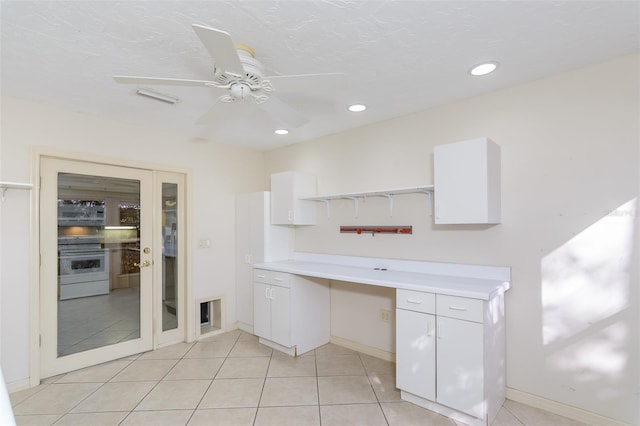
{"x": 467, "y": 182}
{"x": 262, "y": 310}
{"x": 256, "y": 225}
{"x": 282, "y": 189}
{"x": 281, "y": 315}
{"x": 460, "y": 366}
{"x": 244, "y": 278}
{"x": 286, "y": 207}
{"x": 416, "y": 353}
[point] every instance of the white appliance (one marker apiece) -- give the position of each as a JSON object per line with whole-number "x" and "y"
{"x": 83, "y": 266}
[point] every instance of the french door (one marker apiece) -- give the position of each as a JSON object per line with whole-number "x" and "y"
{"x": 110, "y": 244}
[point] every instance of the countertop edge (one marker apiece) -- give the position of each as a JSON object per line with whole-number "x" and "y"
{"x": 487, "y": 289}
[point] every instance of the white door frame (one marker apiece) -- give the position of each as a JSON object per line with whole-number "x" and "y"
{"x": 37, "y": 153}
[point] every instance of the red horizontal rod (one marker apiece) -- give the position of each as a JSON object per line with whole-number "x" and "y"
{"x": 377, "y": 229}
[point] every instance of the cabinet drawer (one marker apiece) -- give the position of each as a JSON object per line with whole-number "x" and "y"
{"x": 418, "y": 301}
{"x": 281, "y": 279}
{"x": 262, "y": 276}
{"x": 459, "y": 307}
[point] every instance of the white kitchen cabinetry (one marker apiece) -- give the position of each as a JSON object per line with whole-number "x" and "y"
{"x": 460, "y": 366}
{"x": 257, "y": 241}
{"x": 416, "y": 343}
{"x": 467, "y": 182}
{"x": 291, "y": 312}
{"x": 287, "y": 207}
{"x": 461, "y": 369}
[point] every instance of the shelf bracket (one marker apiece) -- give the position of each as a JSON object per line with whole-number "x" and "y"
{"x": 13, "y": 185}
{"x": 429, "y": 194}
{"x": 327, "y": 204}
{"x": 390, "y": 198}
{"x": 355, "y": 205}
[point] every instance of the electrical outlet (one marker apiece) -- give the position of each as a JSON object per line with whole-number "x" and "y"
{"x": 385, "y": 316}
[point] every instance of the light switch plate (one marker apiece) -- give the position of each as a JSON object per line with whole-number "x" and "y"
{"x": 204, "y": 243}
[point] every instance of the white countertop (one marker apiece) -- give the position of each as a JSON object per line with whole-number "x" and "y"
{"x": 465, "y": 286}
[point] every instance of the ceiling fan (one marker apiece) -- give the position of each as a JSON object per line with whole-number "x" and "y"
{"x": 241, "y": 77}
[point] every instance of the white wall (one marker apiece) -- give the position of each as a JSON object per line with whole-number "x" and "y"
{"x": 570, "y": 225}
{"x": 217, "y": 171}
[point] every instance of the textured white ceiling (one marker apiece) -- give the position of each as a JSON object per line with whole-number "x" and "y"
{"x": 399, "y": 56}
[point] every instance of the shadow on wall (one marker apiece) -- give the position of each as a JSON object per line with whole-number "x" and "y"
{"x": 590, "y": 330}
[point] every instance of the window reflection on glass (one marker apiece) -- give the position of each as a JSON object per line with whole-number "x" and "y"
{"x": 169, "y": 256}
{"x": 98, "y": 292}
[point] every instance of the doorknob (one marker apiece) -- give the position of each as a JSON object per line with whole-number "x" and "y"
{"x": 144, "y": 264}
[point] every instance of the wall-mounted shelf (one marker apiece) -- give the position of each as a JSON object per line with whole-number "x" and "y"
{"x": 13, "y": 185}
{"x": 389, "y": 193}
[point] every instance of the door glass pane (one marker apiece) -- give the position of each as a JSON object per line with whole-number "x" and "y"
{"x": 169, "y": 256}
{"x": 98, "y": 247}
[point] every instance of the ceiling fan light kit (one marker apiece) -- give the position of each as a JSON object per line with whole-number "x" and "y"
{"x": 237, "y": 71}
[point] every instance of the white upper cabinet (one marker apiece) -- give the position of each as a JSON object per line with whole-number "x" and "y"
{"x": 467, "y": 182}
{"x": 287, "y": 208}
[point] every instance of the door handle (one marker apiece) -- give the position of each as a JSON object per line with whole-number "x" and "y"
{"x": 144, "y": 264}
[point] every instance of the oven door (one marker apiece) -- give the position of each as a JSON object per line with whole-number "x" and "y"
{"x": 83, "y": 274}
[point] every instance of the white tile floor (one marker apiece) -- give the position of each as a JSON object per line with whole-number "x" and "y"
{"x": 231, "y": 379}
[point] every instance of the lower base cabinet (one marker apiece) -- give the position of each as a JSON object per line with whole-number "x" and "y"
{"x": 416, "y": 353}
{"x": 291, "y": 312}
{"x": 450, "y": 354}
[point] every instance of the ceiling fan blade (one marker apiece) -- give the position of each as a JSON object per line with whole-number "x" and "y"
{"x": 125, "y": 79}
{"x": 222, "y": 113}
{"x": 221, "y": 48}
{"x": 318, "y": 83}
{"x": 282, "y": 113}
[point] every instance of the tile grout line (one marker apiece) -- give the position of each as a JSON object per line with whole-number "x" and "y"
{"x": 372, "y": 388}
{"x": 214, "y": 376}
{"x": 75, "y": 383}
{"x": 315, "y": 363}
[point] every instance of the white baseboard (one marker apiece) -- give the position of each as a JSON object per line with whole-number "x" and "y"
{"x": 18, "y": 385}
{"x": 359, "y": 347}
{"x": 562, "y": 409}
{"x": 555, "y": 407}
{"x": 244, "y": 327}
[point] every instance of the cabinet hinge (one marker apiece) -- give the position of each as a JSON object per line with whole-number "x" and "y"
{"x": 40, "y": 340}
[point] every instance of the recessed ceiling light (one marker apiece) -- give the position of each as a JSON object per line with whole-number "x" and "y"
{"x": 357, "y": 108}
{"x": 281, "y": 132}
{"x": 483, "y": 69}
